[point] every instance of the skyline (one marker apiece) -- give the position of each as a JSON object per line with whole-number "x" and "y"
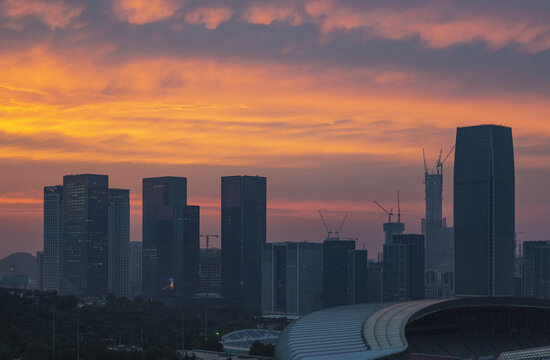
{"x": 332, "y": 93}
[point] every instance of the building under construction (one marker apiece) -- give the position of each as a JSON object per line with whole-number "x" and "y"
{"x": 439, "y": 239}
{"x": 391, "y": 227}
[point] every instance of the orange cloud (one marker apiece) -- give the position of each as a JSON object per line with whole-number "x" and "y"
{"x": 55, "y": 14}
{"x": 209, "y": 16}
{"x": 146, "y": 11}
{"x": 267, "y": 13}
{"x": 431, "y": 23}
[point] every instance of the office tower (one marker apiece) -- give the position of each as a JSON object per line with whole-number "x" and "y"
{"x": 374, "y": 282}
{"x": 292, "y": 278}
{"x": 53, "y": 237}
{"x": 85, "y": 203}
{"x": 439, "y": 239}
{"x": 40, "y": 270}
{"x": 536, "y": 269}
{"x": 210, "y": 271}
{"x": 484, "y": 219}
{"x": 358, "y": 276}
{"x": 344, "y": 273}
{"x": 403, "y": 274}
{"x": 243, "y": 233}
{"x": 135, "y": 287}
{"x": 170, "y": 239}
{"x": 118, "y": 241}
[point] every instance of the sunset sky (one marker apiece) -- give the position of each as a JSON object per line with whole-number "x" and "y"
{"x": 331, "y": 100}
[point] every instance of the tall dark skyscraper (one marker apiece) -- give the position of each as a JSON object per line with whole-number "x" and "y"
{"x": 118, "y": 241}
{"x": 53, "y": 238}
{"x": 345, "y": 273}
{"x": 292, "y": 278}
{"x": 403, "y": 275}
{"x": 85, "y": 202}
{"x": 135, "y": 273}
{"x": 536, "y": 269}
{"x": 484, "y": 211}
{"x": 170, "y": 239}
{"x": 243, "y": 233}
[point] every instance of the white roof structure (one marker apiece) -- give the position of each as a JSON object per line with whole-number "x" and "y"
{"x": 371, "y": 331}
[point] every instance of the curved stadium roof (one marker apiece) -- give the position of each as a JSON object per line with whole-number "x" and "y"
{"x": 371, "y": 331}
{"x": 242, "y": 340}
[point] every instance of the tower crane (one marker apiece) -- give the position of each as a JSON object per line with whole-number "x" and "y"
{"x": 330, "y": 230}
{"x": 390, "y": 213}
{"x": 440, "y": 162}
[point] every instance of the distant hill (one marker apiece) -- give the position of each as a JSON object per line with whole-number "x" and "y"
{"x": 25, "y": 264}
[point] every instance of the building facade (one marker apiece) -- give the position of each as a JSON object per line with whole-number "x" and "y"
{"x": 292, "y": 278}
{"x": 243, "y": 233}
{"x": 439, "y": 239}
{"x": 536, "y": 269}
{"x": 118, "y": 241}
{"x": 135, "y": 287}
{"x": 484, "y": 211}
{"x": 53, "y": 238}
{"x": 85, "y": 203}
{"x": 345, "y": 273}
{"x": 403, "y": 268}
{"x": 170, "y": 239}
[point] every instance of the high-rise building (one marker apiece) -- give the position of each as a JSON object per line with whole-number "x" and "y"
{"x": 358, "y": 276}
{"x": 374, "y": 282}
{"x": 210, "y": 272}
{"x": 85, "y": 202}
{"x": 135, "y": 287}
{"x": 292, "y": 278}
{"x": 403, "y": 268}
{"x": 243, "y": 233}
{"x": 484, "y": 211}
{"x": 170, "y": 239}
{"x": 536, "y": 269}
{"x": 439, "y": 244}
{"x": 40, "y": 270}
{"x": 345, "y": 273}
{"x": 53, "y": 238}
{"x": 118, "y": 241}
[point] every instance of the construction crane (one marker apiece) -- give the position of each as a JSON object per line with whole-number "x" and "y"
{"x": 390, "y": 213}
{"x": 330, "y": 230}
{"x": 208, "y": 236}
{"x": 341, "y": 226}
{"x": 441, "y": 162}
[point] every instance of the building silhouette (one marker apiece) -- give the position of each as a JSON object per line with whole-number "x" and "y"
{"x": 536, "y": 269}
{"x": 53, "y": 238}
{"x": 40, "y": 270}
{"x": 85, "y": 202}
{"x": 345, "y": 276}
{"x": 484, "y": 205}
{"x": 243, "y": 233}
{"x": 135, "y": 287}
{"x": 374, "y": 283}
{"x": 403, "y": 268}
{"x": 439, "y": 239}
{"x": 118, "y": 241}
{"x": 170, "y": 239}
{"x": 292, "y": 278}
